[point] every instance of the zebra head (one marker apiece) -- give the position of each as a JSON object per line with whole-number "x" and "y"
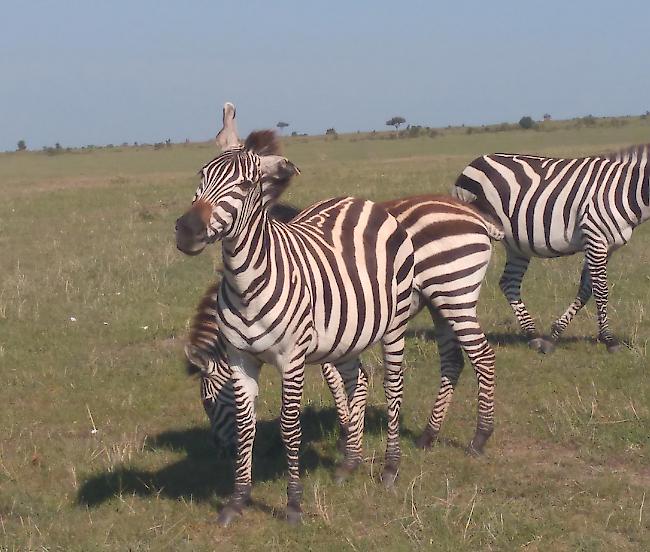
{"x": 230, "y": 183}
{"x": 217, "y": 394}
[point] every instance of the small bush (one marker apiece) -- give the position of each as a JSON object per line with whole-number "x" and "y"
{"x": 526, "y": 122}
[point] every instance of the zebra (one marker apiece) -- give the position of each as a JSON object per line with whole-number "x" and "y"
{"x": 451, "y": 260}
{"x": 450, "y": 265}
{"x": 321, "y": 289}
{"x": 551, "y": 207}
{"x": 206, "y": 356}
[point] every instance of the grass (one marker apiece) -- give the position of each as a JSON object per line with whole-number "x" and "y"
{"x": 104, "y": 443}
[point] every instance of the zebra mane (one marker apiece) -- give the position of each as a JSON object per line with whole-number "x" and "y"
{"x": 637, "y": 151}
{"x": 283, "y": 212}
{"x": 204, "y": 325}
{"x": 263, "y": 142}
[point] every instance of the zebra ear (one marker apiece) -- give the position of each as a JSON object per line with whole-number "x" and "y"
{"x": 277, "y": 173}
{"x": 196, "y": 357}
{"x": 227, "y": 137}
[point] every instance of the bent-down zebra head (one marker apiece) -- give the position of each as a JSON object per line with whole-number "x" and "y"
{"x": 234, "y": 180}
{"x": 206, "y": 356}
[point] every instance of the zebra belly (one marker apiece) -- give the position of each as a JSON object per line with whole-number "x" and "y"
{"x": 560, "y": 246}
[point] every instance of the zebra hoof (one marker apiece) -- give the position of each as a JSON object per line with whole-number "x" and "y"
{"x": 613, "y": 347}
{"x": 389, "y": 476}
{"x": 427, "y": 439}
{"x": 541, "y": 345}
{"x": 345, "y": 469}
{"x": 476, "y": 446}
{"x": 294, "y": 515}
{"x": 228, "y": 515}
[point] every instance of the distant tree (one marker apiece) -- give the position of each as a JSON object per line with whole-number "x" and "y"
{"x": 526, "y": 122}
{"x": 282, "y": 125}
{"x": 589, "y": 120}
{"x": 330, "y": 132}
{"x": 57, "y": 146}
{"x": 396, "y": 122}
{"x": 547, "y": 116}
{"x": 21, "y": 146}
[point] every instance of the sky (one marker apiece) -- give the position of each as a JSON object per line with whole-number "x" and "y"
{"x": 100, "y": 72}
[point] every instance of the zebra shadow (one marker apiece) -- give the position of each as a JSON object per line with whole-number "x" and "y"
{"x": 204, "y": 472}
{"x": 514, "y": 338}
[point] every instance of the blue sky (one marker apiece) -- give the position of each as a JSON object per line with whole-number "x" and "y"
{"x": 98, "y": 72}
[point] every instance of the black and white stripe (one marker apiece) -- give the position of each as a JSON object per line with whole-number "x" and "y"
{"x": 323, "y": 288}
{"x": 550, "y": 207}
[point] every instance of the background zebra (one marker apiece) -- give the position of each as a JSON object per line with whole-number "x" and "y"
{"x": 551, "y": 207}
{"x": 322, "y": 289}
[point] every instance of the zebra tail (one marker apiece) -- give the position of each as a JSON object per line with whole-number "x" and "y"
{"x": 494, "y": 229}
{"x": 462, "y": 194}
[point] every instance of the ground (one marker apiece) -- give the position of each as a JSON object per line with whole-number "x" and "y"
{"x": 104, "y": 444}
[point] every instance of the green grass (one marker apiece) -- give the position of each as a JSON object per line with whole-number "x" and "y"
{"x": 89, "y": 236}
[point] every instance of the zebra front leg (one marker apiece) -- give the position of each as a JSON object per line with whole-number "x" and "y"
{"x": 596, "y": 254}
{"x": 510, "y": 284}
{"x": 451, "y": 366}
{"x": 336, "y": 386}
{"x": 584, "y": 293}
{"x": 356, "y": 380}
{"x": 293, "y": 380}
{"x": 245, "y": 372}
{"x": 393, "y": 346}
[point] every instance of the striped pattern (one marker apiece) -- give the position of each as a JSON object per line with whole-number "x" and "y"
{"x": 452, "y": 251}
{"x": 206, "y": 354}
{"x": 550, "y": 207}
{"x": 323, "y": 288}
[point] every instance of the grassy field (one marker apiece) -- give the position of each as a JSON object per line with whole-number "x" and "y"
{"x": 104, "y": 444}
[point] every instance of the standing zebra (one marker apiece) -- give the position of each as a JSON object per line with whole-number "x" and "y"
{"x": 450, "y": 261}
{"x": 321, "y": 289}
{"x": 550, "y": 207}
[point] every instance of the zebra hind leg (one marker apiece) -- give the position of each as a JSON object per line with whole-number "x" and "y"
{"x": 597, "y": 256}
{"x": 451, "y": 366}
{"x": 336, "y": 386}
{"x": 356, "y": 380}
{"x": 393, "y": 346}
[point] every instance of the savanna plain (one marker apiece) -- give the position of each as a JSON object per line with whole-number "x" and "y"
{"x": 103, "y": 440}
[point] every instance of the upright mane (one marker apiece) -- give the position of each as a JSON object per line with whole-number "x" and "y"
{"x": 263, "y": 142}
{"x": 637, "y": 151}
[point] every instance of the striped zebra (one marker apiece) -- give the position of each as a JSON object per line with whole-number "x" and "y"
{"x": 450, "y": 262}
{"x": 206, "y": 355}
{"x": 550, "y": 207}
{"x": 452, "y": 256}
{"x": 321, "y": 289}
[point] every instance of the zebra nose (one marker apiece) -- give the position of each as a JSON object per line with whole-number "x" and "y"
{"x": 191, "y": 224}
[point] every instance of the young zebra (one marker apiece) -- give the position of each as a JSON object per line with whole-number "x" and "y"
{"x": 550, "y": 207}
{"x": 206, "y": 355}
{"x": 321, "y": 289}
{"x": 451, "y": 258}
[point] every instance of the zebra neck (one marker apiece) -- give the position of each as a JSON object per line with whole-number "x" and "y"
{"x": 246, "y": 256}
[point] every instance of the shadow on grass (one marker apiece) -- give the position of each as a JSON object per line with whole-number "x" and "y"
{"x": 204, "y": 471}
{"x": 505, "y": 339}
